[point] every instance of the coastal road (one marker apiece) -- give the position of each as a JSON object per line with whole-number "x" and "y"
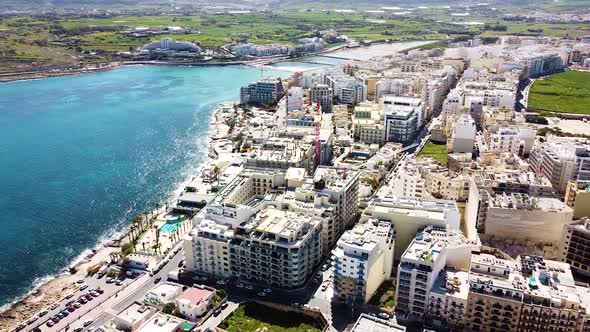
{"x": 140, "y": 287}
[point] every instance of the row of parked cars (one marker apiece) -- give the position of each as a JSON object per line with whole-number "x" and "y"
{"x": 71, "y": 306}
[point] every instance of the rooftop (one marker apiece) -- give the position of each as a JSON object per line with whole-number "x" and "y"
{"x": 195, "y": 295}
{"x": 366, "y": 323}
{"x": 161, "y": 323}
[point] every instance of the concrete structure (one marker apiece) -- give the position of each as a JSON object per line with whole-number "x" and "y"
{"x": 484, "y": 187}
{"x": 133, "y": 317}
{"x": 346, "y": 89}
{"x": 522, "y": 217}
{"x": 367, "y": 123}
{"x": 577, "y": 196}
{"x": 363, "y": 259}
{"x": 463, "y": 137}
{"x": 409, "y": 215}
{"x": 169, "y": 47}
{"x": 367, "y": 323}
{"x": 161, "y": 323}
{"x": 195, "y": 302}
{"x": 162, "y": 294}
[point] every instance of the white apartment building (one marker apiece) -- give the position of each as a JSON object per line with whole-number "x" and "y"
{"x": 346, "y": 89}
{"x": 409, "y": 215}
{"x": 363, "y": 259}
{"x": 463, "y": 137}
{"x": 504, "y": 140}
{"x": 561, "y": 160}
{"x": 432, "y": 249}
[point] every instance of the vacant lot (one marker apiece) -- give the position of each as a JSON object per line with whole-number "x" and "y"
{"x": 252, "y": 317}
{"x": 567, "y": 92}
{"x": 437, "y": 151}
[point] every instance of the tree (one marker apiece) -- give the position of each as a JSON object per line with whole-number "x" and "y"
{"x": 169, "y": 308}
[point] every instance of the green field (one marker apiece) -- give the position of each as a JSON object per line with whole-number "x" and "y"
{"x": 437, "y": 151}
{"x": 41, "y": 42}
{"x": 567, "y": 92}
{"x": 252, "y": 317}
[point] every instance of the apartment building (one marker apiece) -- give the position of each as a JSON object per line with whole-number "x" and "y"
{"x": 265, "y": 91}
{"x": 561, "y": 160}
{"x": 367, "y": 123}
{"x": 363, "y": 259}
{"x": 577, "y": 196}
{"x": 277, "y": 248}
{"x": 332, "y": 194}
{"x": 463, "y": 137}
{"x": 528, "y": 294}
{"x": 575, "y": 246}
{"x": 432, "y": 249}
{"x": 409, "y": 215}
{"x": 322, "y": 94}
{"x": 402, "y": 118}
{"x": 282, "y": 153}
{"x": 262, "y": 244}
{"x": 346, "y": 89}
{"x": 485, "y": 186}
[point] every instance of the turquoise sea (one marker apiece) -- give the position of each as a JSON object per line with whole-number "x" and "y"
{"x": 81, "y": 155}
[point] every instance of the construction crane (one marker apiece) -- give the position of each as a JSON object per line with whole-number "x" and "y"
{"x": 318, "y": 125}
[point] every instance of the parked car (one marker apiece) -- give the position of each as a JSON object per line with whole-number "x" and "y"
{"x": 268, "y": 290}
{"x": 157, "y": 280}
{"x": 80, "y": 281}
{"x": 240, "y": 285}
{"x": 216, "y": 312}
{"x": 65, "y": 312}
{"x": 119, "y": 282}
{"x": 324, "y": 287}
{"x": 94, "y": 293}
{"x": 99, "y": 290}
{"x": 89, "y": 297}
{"x": 77, "y": 305}
{"x": 78, "y": 329}
{"x": 83, "y": 287}
{"x": 86, "y": 323}
{"x": 223, "y": 305}
{"x": 262, "y": 294}
{"x": 221, "y": 282}
{"x": 43, "y": 313}
{"x": 83, "y": 300}
{"x": 32, "y": 319}
{"x": 249, "y": 287}
{"x": 50, "y": 323}
{"x": 383, "y": 315}
{"x": 71, "y": 308}
{"x": 110, "y": 280}
{"x": 54, "y": 306}
{"x": 69, "y": 296}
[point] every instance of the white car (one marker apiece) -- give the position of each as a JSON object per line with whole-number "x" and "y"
{"x": 383, "y": 315}
{"x": 83, "y": 287}
{"x": 240, "y": 285}
{"x": 249, "y": 287}
{"x": 69, "y": 296}
{"x": 54, "y": 306}
{"x": 110, "y": 280}
{"x": 268, "y": 290}
{"x": 263, "y": 294}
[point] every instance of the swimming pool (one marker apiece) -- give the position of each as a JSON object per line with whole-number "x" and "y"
{"x": 171, "y": 226}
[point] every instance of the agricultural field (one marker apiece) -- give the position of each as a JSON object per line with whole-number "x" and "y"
{"x": 567, "y": 92}
{"x": 35, "y": 42}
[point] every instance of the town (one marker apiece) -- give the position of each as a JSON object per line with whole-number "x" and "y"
{"x": 423, "y": 190}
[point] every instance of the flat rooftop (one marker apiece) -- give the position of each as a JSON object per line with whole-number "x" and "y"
{"x": 366, "y": 323}
{"x": 136, "y": 312}
{"x": 161, "y": 323}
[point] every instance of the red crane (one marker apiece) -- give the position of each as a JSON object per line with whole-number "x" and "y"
{"x": 318, "y": 124}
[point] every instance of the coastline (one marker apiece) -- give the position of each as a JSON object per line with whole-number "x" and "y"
{"x": 52, "y": 288}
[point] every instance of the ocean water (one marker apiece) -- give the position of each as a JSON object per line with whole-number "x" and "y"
{"x": 81, "y": 155}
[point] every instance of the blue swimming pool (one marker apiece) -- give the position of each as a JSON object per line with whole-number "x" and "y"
{"x": 171, "y": 226}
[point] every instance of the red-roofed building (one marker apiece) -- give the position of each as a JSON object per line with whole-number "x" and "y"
{"x": 195, "y": 302}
